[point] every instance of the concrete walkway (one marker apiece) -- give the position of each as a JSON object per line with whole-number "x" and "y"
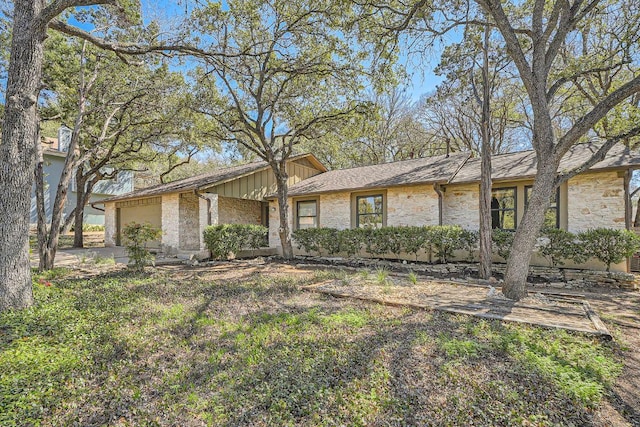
{"x": 75, "y": 256}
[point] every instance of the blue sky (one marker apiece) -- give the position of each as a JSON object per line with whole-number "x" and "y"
{"x": 422, "y": 79}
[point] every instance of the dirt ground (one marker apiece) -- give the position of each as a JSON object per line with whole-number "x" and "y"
{"x": 619, "y": 310}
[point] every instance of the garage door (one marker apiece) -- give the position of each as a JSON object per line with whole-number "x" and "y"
{"x": 140, "y": 211}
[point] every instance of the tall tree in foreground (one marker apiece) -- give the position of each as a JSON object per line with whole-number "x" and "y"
{"x": 540, "y": 41}
{"x": 544, "y": 39}
{"x": 288, "y": 74}
{"x": 19, "y": 134}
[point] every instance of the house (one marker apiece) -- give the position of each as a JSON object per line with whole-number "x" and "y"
{"x": 55, "y": 153}
{"x": 444, "y": 190}
{"x": 429, "y": 191}
{"x": 183, "y": 208}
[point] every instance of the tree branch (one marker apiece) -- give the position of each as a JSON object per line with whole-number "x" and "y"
{"x": 598, "y": 156}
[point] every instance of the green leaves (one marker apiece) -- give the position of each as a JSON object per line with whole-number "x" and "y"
{"x": 608, "y": 245}
{"x": 227, "y": 239}
{"x": 136, "y": 236}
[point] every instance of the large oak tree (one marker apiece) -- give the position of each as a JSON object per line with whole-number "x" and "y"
{"x": 556, "y": 46}
{"x": 289, "y": 74}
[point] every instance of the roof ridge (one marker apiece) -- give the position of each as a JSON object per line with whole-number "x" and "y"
{"x": 444, "y": 156}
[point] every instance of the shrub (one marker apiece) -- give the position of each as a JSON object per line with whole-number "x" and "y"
{"x": 416, "y": 239}
{"x": 560, "y": 245}
{"x": 307, "y": 239}
{"x": 391, "y": 239}
{"x": 318, "y": 240}
{"x": 225, "y": 239}
{"x": 372, "y": 242}
{"x": 445, "y": 240}
{"x": 136, "y": 237}
{"x": 608, "y": 245}
{"x": 469, "y": 242}
{"x": 351, "y": 241}
{"x": 502, "y": 242}
{"x": 328, "y": 240}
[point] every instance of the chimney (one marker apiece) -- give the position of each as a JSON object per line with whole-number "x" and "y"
{"x": 64, "y": 138}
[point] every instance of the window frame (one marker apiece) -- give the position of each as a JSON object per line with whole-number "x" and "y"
{"x": 557, "y": 207}
{"x": 355, "y": 198}
{"x": 316, "y": 200}
{"x": 514, "y": 209}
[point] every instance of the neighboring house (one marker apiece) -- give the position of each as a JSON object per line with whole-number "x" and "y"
{"x": 54, "y": 155}
{"x": 445, "y": 191}
{"x": 183, "y": 208}
{"x": 429, "y": 191}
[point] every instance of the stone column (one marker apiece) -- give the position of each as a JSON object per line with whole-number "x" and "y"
{"x": 110, "y": 226}
{"x": 170, "y": 223}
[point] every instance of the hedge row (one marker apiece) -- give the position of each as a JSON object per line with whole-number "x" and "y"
{"x": 223, "y": 240}
{"x": 438, "y": 241}
{"x": 607, "y": 245}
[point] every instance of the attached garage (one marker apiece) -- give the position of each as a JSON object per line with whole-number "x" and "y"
{"x": 142, "y": 211}
{"x": 182, "y": 209}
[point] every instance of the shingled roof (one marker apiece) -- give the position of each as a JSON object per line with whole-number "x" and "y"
{"x": 437, "y": 169}
{"x": 201, "y": 181}
{"x": 523, "y": 164}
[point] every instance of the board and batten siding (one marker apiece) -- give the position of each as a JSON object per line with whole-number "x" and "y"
{"x": 258, "y": 185}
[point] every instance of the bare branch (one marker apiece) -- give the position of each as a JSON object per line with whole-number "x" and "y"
{"x": 598, "y": 156}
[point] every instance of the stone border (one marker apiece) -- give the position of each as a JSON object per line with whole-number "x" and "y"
{"x": 547, "y": 276}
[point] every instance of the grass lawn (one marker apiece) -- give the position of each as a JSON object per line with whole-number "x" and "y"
{"x": 194, "y": 347}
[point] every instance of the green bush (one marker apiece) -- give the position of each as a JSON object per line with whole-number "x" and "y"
{"x": 307, "y": 239}
{"x": 351, "y": 241}
{"x": 608, "y": 245}
{"x": 417, "y": 239}
{"x": 560, "y": 246}
{"x": 502, "y": 242}
{"x": 446, "y": 239}
{"x": 390, "y": 239}
{"x": 223, "y": 240}
{"x": 469, "y": 242}
{"x": 136, "y": 237}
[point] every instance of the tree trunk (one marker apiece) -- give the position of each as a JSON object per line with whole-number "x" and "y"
{"x": 279, "y": 169}
{"x": 45, "y": 261}
{"x": 515, "y": 276}
{"x": 636, "y": 221}
{"x": 19, "y": 130}
{"x": 484, "y": 269}
{"x": 78, "y": 236}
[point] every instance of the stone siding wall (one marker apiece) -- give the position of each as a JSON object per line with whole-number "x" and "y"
{"x": 239, "y": 211}
{"x": 335, "y": 210}
{"x": 170, "y": 223}
{"x": 596, "y": 200}
{"x": 414, "y": 205}
{"x": 189, "y": 223}
{"x": 461, "y": 206}
{"x": 205, "y": 217}
{"x": 274, "y": 224}
{"x": 110, "y": 228}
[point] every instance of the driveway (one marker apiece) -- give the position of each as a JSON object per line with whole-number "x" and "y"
{"x": 75, "y": 256}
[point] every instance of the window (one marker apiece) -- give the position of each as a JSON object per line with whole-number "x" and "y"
{"x": 369, "y": 211}
{"x": 552, "y": 216}
{"x": 503, "y": 208}
{"x": 306, "y": 214}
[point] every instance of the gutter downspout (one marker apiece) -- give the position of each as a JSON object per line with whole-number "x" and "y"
{"x": 92, "y": 204}
{"x": 627, "y": 208}
{"x": 438, "y": 189}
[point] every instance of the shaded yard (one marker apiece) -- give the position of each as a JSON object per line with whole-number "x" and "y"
{"x": 245, "y": 345}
